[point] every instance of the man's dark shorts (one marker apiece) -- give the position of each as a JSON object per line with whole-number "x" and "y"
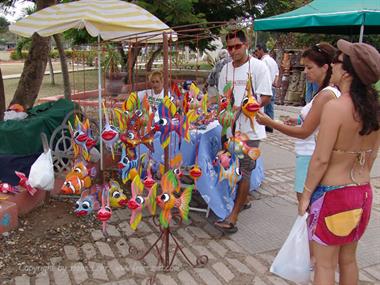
{"x": 246, "y": 163}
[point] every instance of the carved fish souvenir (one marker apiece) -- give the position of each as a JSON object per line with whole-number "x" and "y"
{"x": 118, "y": 199}
{"x": 167, "y": 201}
{"x": 88, "y": 201}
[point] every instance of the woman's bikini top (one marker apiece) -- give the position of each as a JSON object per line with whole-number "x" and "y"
{"x": 360, "y": 158}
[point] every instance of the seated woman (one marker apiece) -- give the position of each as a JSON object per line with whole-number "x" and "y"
{"x": 156, "y": 93}
{"x": 337, "y": 190}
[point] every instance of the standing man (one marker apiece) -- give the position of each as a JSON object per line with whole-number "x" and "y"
{"x": 262, "y": 53}
{"x": 237, "y": 72}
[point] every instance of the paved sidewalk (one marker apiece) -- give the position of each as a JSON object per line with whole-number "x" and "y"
{"x": 241, "y": 258}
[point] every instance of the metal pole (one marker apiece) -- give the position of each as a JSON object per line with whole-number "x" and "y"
{"x": 361, "y": 33}
{"x": 100, "y": 103}
{"x": 166, "y": 88}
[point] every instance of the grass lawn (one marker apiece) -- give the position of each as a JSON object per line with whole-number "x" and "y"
{"x": 16, "y": 67}
{"x": 89, "y": 79}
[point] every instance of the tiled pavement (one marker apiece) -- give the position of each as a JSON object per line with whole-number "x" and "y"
{"x": 241, "y": 258}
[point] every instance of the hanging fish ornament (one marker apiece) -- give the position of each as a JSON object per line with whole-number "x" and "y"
{"x": 127, "y": 167}
{"x": 8, "y": 188}
{"x": 237, "y": 145}
{"x": 77, "y": 179}
{"x": 105, "y": 211}
{"x": 167, "y": 201}
{"x": 249, "y": 105}
{"x": 232, "y": 174}
{"x": 132, "y": 139}
{"x": 223, "y": 158}
{"x": 24, "y": 182}
{"x": 226, "y": 119}
{"x": 88, "y": 202}
{"x": 82, "y": 139}
{"x": 148, "y": 181}
{"x": 118, "y": 199}
{"x": 167, "y": 124}
{"x": 138, "y": 202}
{"x": 110, "y": 134}
{"x": 175, "y": 169}
{"x": 195, "y": 172}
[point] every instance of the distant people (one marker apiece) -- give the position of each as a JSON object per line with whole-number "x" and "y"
{"x": 261, "y": 52}
{"x": 213, "y": 78}
{"x": 237, "y": 72}
{"x": 317, "y": 61}
{"x": 337, "y": 190}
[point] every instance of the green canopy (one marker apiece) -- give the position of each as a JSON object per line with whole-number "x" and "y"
{"x": 327, "y": 17}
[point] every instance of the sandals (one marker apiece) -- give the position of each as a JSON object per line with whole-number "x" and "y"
{"x": 226, "y": 227}
{"x": 246, "y": 206}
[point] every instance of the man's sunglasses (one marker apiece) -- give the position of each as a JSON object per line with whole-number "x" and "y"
{"x": 236, "y": 47}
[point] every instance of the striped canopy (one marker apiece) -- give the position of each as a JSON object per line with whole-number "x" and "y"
{"x": 111, "y": 19}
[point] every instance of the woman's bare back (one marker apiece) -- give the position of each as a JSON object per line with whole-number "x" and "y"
{"x": 352, "y": 156}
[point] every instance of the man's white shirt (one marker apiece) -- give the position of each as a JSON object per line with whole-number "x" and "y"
{"x": 272, "y": 65}
{"x": 262, "y": 85}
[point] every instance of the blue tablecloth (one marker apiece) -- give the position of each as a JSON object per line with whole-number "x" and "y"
{"x": 217, "y": 195}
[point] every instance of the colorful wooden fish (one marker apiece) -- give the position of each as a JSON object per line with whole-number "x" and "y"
{"x": 77, "y": 179}
{"x": 88, "y": 201}
{"x": 167, "y": 201}
{"x": 195, "y": 172}
{"x": 117, "y": 197}
{"x": 223, "y": 158}
{"x": 199, "y": 102}
{"x": 105, "y": 211}
{"x": 110, "y": 133}
{"x": 82, "y": 139}
{"x": 226, "y": 119}
{"x": 175, "y": 169}
{"x": 132, "y": 139}
{"x": 8, "y": 188}
{"x": 249, "y": 105}
{"x": 127, "y": 167}
{"x": 232, "y": 174}
{"x": 148, "y": 181}
{"x": 138, "y": 112}
{"x": 225, "y": 100}
{"x": 167, "y": 124}
{"x": 238, "y": 146}
{"x": 24, "y": 182}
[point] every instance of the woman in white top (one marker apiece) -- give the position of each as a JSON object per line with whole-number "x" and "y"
{"x": 156, "y": 93}
{"x": 317, "y": 60}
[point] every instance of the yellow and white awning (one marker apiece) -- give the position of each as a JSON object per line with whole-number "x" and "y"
{"x": 111, "y": 19}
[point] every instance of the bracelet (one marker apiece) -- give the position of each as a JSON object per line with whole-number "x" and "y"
{"x": 307, "y": 189}
{"x": 299, "y": 120}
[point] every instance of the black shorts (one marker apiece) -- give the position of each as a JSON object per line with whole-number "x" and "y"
{"x": 246, "y": 163}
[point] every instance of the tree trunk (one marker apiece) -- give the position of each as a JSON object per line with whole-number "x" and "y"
{"x": 149, "y": 64}
{"x": 129, "y": 78}
{"x": 124, "y": 58}
{"x": 34, "y": 67}
{"x": 33, "y": 72}
{"x": 51, "y": 71}
{"x": 64, "y": 67}
{"x": 2, "y": 97}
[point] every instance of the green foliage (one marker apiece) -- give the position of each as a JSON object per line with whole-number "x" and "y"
{"x": 18, "y": 55}
{"x": 79, "y": 37}
{"x": 21, "y": 45}
{"x": 3, "y": 24}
